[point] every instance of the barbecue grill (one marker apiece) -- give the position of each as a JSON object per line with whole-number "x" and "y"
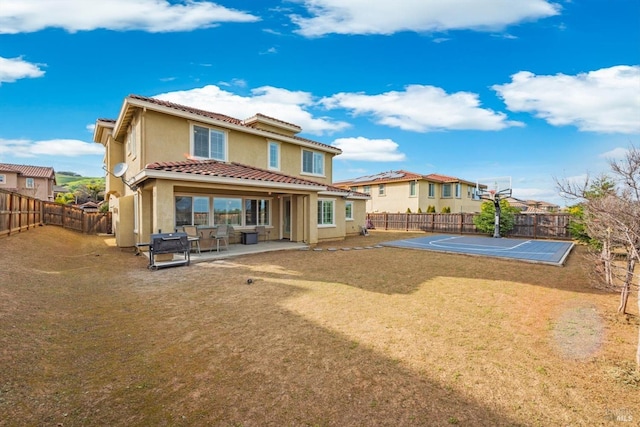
{"x": 168, "y": 243}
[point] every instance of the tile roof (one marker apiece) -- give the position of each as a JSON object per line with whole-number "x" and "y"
{"x": 229, "y": 119}
{"x": 229, "y": 170}
{"x": 29, "y": 171}
{"x": 399, "y": 176}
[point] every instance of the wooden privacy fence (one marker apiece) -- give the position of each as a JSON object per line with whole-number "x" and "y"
{"x": 18, "y": 212}
{"x": 77, "y": 219}
{"x": 534, "y": 226}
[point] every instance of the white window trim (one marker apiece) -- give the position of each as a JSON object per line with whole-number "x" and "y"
{"x": 192, "y": 144}
{"x": 30, "y": 180}
{"x": 302, "y": 172}
{"x": 3, "y": 179}
{"x": 450, "y": 196}
{"x": 458, "y": 190}
{"x": 382, "y": 190}
{"x": 347, "y": 218}
{"x": 429, "y": 194}
{"x": 277, "y": 166}
{"x": 415, "y": 189}
{"x": 333, "y": 213}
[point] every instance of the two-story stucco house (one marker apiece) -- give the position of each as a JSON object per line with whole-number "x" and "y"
{"x": 186, "y": 166}
{"x": 33, "y": 181}
{"x": 399, "y": 191}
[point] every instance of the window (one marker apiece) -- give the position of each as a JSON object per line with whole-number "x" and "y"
{"x": 196, "y": 210}
{"x": 209, "y": 143}
{"x": 412, "y": 189}
{"x": 432, "y": 190}
{"x": 446, "y": 191}
{"x": 131, "y": 141}
{"x": 458, "y": 190}
{"x": 227, "y": 210}
{"x": 30, "y": 183}
{"x": 274, "y": 155}
{"x": 348, "y": 211}
{"x": 3, "y": 179}
{"x": 325, "y": 212}
{"x": 381, "y": 189}
{"x": 312, "y": 162}
{"x": 354, "y": 189}
{"x": 200, "y": 211}
{"x": 256, "y": 212}
{"x": 184, "y": 211}
{"x": 367, "y": 189}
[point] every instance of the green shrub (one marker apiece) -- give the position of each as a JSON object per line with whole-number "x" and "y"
{"x": 485, "y": 221}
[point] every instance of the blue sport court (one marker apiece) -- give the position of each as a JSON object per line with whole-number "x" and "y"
{"x": 537, "y": 251}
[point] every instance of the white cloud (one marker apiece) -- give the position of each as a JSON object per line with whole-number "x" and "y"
{"x": 290, "y": 106}
{"x": 615, "y": 154}
{"x": 605, "y": 100}
{"x": 422, "y": 109}
{"x": 25, "y": 16}
{"x": 372, "y": 150}
{"x": 52, "y": 147}
{"x": 387, "y": 17}
{"x": 12, "y": 69}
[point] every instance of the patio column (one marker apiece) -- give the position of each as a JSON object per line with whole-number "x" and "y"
{"x": 311, "y": 220}
{"x": 163, "y": 207}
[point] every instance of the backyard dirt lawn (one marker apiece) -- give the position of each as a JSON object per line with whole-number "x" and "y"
{"x": 374, "y": 337}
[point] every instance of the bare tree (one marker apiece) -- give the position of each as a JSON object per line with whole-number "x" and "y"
{"x": 612, "y": 218}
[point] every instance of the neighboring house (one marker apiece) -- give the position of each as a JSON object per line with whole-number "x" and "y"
{"x": 397, "y": 191}
{"x": 533, "y": 206}
{"x": 187, "y": 166}
{"x": 32, "y": 181}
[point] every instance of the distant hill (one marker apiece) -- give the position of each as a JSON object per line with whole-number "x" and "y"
{"x": 72, "y": 180}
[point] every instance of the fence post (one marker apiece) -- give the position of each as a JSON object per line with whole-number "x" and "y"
{"x": 406, "y": 228}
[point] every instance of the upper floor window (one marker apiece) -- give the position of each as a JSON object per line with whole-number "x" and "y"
{"x": 209, "y": 143}
{"x": 432, "y": 190}
{"x": 412, "y": 189}
{"x": 348, "y": 211}
{"x": 446, "y": 191}
{"x": 30, "y": 183}
{"x": 458, "y": 190}
{"x": 274, "y": 155}
{"x": 367, "y": 189}
{"x": 354, "y": 189}
{"x": 131, "y": 141}
{"x": 3, "y": 179}
{"x": 381, "y": 189}
{"x": 312, "y": 162}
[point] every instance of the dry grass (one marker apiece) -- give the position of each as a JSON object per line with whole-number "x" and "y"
{"x": 89, "y": 336}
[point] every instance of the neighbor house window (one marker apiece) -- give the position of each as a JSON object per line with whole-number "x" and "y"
{"x": 209, "y": 143}
{"x": 326, "y": 212}
{"x": 348, "y": 211}
{"x": 354, "y": 189}
{"x": 458, "y": 190}
{"x": 30, "y": 183}
{"x": 256, "y": 212}
{"x": 274, "y": 155}
{"x": 446, "y": 190}
{"x": 3, "y": 179}
{"x": 227, "y": 210}
{"x": 312, "y": 162}
{"x": 381, "y": 189}
{"x": 432, "y": 190}
{"x": 412, "y": 189}
{"x": 367, "y": 189}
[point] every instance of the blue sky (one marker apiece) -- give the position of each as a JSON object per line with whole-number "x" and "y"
{"x": 533, "y": 89}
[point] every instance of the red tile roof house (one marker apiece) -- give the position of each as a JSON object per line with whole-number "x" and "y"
{"x": 33, "y": 181}
{"x": 399, "y": 191}
{"x": 184, "y": 166}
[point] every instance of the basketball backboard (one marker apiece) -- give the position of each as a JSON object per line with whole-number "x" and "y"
{"x": 494, "y": 187}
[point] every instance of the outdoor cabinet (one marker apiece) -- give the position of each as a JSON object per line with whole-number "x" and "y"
{"x": 249, "y": 238}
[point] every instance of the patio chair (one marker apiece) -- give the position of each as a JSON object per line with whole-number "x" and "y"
{"x": 222, "y": 235}
{"x": 192, "y": 236}
{"x": 263, "y": 231}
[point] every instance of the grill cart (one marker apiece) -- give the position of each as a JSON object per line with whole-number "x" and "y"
{"x": 168, "y": 243}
